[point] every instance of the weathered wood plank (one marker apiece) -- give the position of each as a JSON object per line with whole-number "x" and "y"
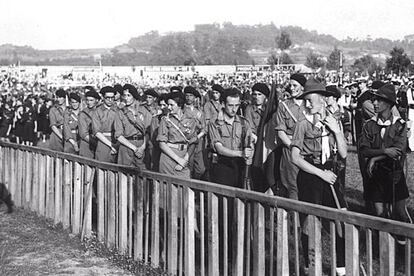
{"x": 67, "y": 187}
{"x": 139, "y": 220}
{"x": 387, "y": 254}
{"x": 202, "y": 236}
{"x": 58, "y": 190}
{"x": 368, "y": 237}
{"x": 238, "y": 241}
{"x": 76, "y": 210}
{"x": 282, "y": 254}
{"x": 332, "y": 236}
{"x": 408, "y": 257}
{"x": 111, "y": 216}
{"x": 172, "y": 246}
{"x": 35, "y": 184}
{"x": 213, "y": 235}
{"x": 87, "y": 211}
{"x": 123, "y": 213}
{"x": 155, "y": 224}
{"x": 258, "y": 240}
{"x": 225, "y": 239}
{"x": 190, "y": 223}
{"x": 315, "y": 246}
{"x": 42, "y": 185}
{"x": 101, "y": 181}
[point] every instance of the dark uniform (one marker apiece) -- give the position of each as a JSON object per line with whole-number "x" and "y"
{"x": 56, "y": 115}
{"x": 70, "y": 130}
{"x": 87, "y": 143}
{"x": 6, "y": 121}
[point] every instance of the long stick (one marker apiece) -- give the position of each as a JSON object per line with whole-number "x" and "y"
{"x": 337, "y": 223}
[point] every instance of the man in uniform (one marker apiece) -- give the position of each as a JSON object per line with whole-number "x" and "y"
{"x": 70, "y": 125}
{"x": 131, "y": 126}
{"x": 152, "y": 108}
{"x": 103, "y": 120}
{"x": 213, "y": 106}
{"x": 231, "y": 138}
{"x": 56, "y": 121}
{"x": 383, "y": 143}
{"x": 87, "y": 144}
{"x": 254, "y": 111}
{"x": 196, "y": 161}
{"x": 314, "y": 139}
{"x": 288, "y": 114}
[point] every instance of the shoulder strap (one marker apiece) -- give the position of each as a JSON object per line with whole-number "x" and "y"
{"x": 177, "y": 128}
{"x": 290, "y": 112}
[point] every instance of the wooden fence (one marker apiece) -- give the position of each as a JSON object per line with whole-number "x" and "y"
{"x": 189, "y": 227}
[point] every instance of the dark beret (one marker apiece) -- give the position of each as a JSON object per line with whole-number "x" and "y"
{"x": 217, "y": 87}
{"x": 377, "y": 84}
{"x": 89, "y": 88}
{"x": 75, "y": 96}
{"x": 61, "y": 93}
{"x": 131, "y": 89}
{"x": 336, "y": 93}
{"x": 191, "y": 90}
{"x": 229, "y": 92}
{"x": 93, "y": 94}
{"x": 107, "y": 89}
{"x": 300, "y": 78}
{"x": 262, "y": 88}
{"x": 151, "y": 92}
{"x": 119, "y": 88}
{"x": 176, "y": 94}
{"x": 176, "y": 88}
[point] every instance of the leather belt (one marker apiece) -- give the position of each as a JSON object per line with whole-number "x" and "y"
{"x": 177, "y": 146}
{"x": 135, "y": 137}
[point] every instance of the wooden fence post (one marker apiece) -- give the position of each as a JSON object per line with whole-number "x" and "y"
{"x": 351, "y": 249}
{"x": 139, "y": 220}
{"x": 101, "y": 182}
{"x": 238, "y": 241}
{"x": 155, "y": 226}
{"x": 173, "y": 228}
{"x": 258, "y": 240}
{"x": 76, "y": 206}
{"x": 111, "y": 216}
{"x": 315, "y": 246}
{"x": 213, "y": 236}
{"x": 282, "y": 243}
{"x": 42, "y": 185}
{"x": 58, "y": 190}
{"x": 190, "y": 223}
{"x": 387, "y": 254}
{"x": 67, "y": 189}
{"x": 123, "y": 213}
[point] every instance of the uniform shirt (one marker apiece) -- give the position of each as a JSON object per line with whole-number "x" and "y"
{"x": 56, "y": 114}
{"x": 395, "y": 134}
{"x": 254, "y": 114}
{"x": 211, "y": 110}
{"x": 307, "y": 136}
{"x": 103, "y": 119}
{"x": 194, "y": 112}
{"x": 132, "y": 120}
{"x": 152, "y": 109}
{"x": 70, "y": 125}
{"x": 284, "y": 121}
{"x": 85, "y": 121}
{"x": 234, "y": 136}
{"x": 168, "y": 132}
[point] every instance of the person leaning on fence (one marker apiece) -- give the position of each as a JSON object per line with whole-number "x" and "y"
{"x": 87, "y": 143}
{"x": 315, "y": 139}
{"x": 289, "y": 112}
{"x": 56, "y": 114}
{"x": 231, "y": 139}
{"x": 175, "y": 131}
{"x": 103, "y": 119}
{"x": 131, "y": 128}
{"x": 70, "y": 125}
{"x": 383, "y": 144}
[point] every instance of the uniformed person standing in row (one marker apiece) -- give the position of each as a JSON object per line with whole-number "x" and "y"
{"x": 175, "y": 131}
{"x": 155, "y": 122}
{"x": 384, "y": 144}
{"x": 254, "y": 111}
{"x": 196, "y": 161}
{"x": 314, "y": 139}
{"x": 231, "y": 138}
{"x": 87, "y": 143}
{"x": 288, "y": 114}
{"x": 103, "y": 120}
{"x": 56, "y": 114}
{"x": 70, "y": 125}
{"x": 131, "y": 127}
{"x": 151, "y": 105}
{"x": 213, "y": 106}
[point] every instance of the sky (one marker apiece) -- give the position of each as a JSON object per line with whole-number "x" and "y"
{"x": 77, "y": 24}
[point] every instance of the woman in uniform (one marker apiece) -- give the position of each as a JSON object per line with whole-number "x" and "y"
{"x": 70, "y": 125}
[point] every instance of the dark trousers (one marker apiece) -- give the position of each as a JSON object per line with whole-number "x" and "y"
{"x": 228, "y": 171}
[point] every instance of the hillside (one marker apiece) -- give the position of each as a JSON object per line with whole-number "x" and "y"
{"x": 209, "y": 44}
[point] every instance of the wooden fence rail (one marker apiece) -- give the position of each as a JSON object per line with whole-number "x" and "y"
{"x": 189, "y": 227}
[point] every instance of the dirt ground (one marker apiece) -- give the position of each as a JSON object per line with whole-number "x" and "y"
{"x": 29, "y": 245}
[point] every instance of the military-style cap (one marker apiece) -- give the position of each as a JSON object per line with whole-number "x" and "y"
{"x": 176, "y": 88}
{"x": 151, "y": 92}
{"x": 119, "y": 88}
{"x": 336, "y": 93}
{"x": 191, "y": 90}
{"x": 60, "y": 93}
{"x": 75, "y": 96}
{"x": 131, "y": 89}
{"x": 175, "y": 94}
{"x": 107, "y": 89}
{"x": 312, "y": 86}
{"x": 377, "y": 84}
{"x": 387, "y": 93}
{"x": 217, "y": 87}
{"x": 300, "y": 78}
{"x": 262, "y": 88}
{"x": 92, "y": 93}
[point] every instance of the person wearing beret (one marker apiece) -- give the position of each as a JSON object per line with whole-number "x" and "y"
{"x": 87, "y": 143}
{"x": 175, "y": 131}
{"x": 317, "y": 139}
{"x": 289, "y": 112}
{"x": 213, "y": 106}
{"x": 103, "y": 119}
{"x": 56, "y": 121}
{"x": 254, "y": 111}
{"x": 232, "y": 141}
{"x": 70, "y": 125}
{"x": 131, "y": 129}
{"x": 154, "y": 161}
{"x": 383, "y": 143}
{"x": 150, "y": 103}
{"x": 196, "y": 161}
{"x": 6, "y": 121}
{"x": 29, "y": 124}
